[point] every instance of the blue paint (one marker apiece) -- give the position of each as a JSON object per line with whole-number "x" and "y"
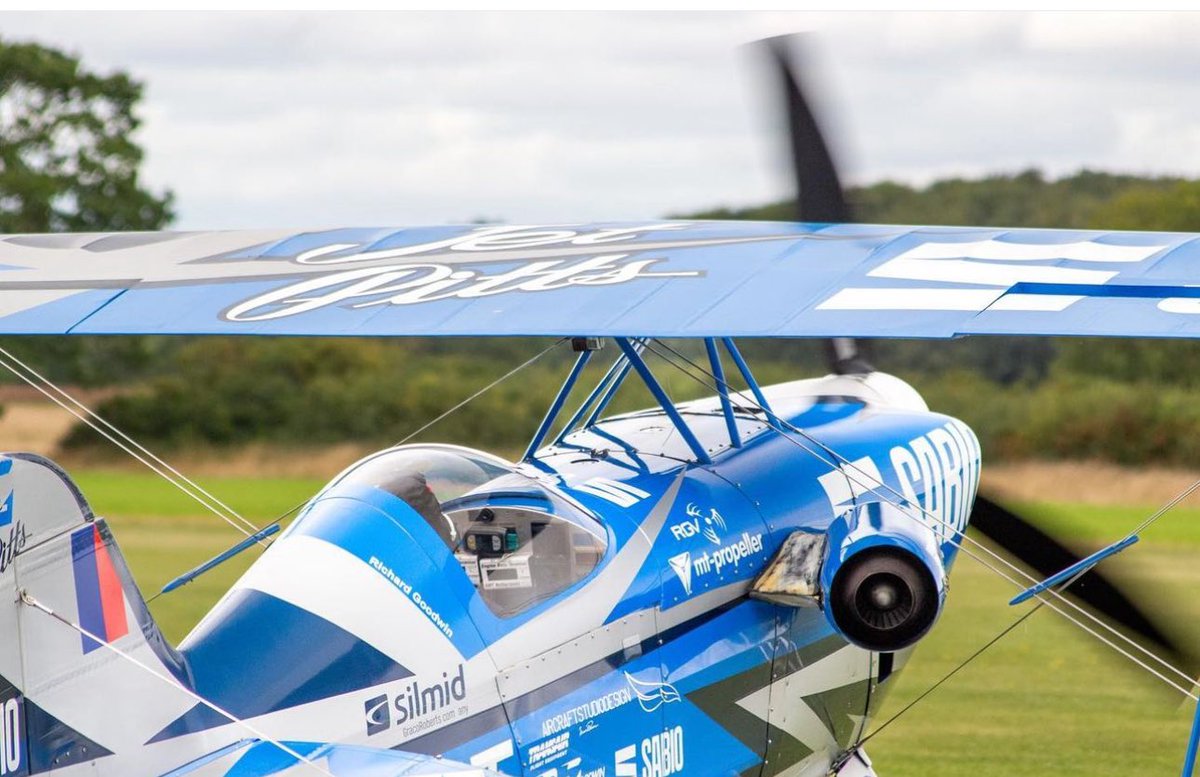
{"x": 220, "y": 558}
{"x": 718, "y": 371}
{"x": 309, "y": 659}
{"x": 664, "y": 401}
{"x": 707, "y": 279}
{"x": 1189, "y": 758}
{"x": 1078, "y": 568}
{"x": 556, "y": 406}
{"x": 617, "y": 368}
{"x": 611, "y": 392}
{"x": 748, "y": 376}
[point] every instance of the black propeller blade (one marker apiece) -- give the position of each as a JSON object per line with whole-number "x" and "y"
{"x": 1046, "y": 556}
{"x": 819, "y": 194}
{"x": 820, "y": 199}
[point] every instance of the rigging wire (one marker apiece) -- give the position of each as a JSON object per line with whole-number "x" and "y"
{"x": 528, "y": 362}
{"x": 29, "y": 600}
{"x": 873, "y": 484}
{"x": 60, "y": 397}
{"x": 962, "y": 665}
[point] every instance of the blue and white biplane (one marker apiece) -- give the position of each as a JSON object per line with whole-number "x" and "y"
{"x": 727, "y": 585}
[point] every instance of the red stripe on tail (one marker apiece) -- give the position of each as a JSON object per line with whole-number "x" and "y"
{"x": 112, "y": 596}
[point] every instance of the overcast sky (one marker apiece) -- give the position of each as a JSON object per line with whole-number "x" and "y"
{"x": 308, "y": 120}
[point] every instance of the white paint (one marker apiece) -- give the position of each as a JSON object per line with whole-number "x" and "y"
{"x": 1185, "y": 305}
{"x": 10, "y": 737}
{"x": 986, "y": 273}
{"x": 621, "y": 494}
{"x": 1035, "y": 303}
{"x": 1001, "y": 250}
{"x": 911, "y": 299}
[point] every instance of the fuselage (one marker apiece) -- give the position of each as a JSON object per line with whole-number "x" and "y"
{"x": 612, "y": 634}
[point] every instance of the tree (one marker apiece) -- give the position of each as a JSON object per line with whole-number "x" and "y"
{"x": 68, "y": 161}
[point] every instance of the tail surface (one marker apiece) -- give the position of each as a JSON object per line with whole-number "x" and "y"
{"x": 65, "y": 594}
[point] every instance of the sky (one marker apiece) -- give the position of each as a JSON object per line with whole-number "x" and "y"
{"x": 313, "y": 120}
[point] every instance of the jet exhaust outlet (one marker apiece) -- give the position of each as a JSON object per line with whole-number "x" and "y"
{"x": 883, "y": 599}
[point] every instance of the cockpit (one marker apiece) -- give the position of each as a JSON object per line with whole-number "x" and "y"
{"x": 517, "y": 539}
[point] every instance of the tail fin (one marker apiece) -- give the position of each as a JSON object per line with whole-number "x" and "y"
{"x": 64, "y": 699}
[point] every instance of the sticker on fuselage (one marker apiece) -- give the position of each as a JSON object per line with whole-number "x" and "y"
{"x": 620, "y": 494}
{"x": 659, "y": 755}
{"x": 13, "y": 758}
{"x": 418, "y": 704}
{"x": 937, "y": 472}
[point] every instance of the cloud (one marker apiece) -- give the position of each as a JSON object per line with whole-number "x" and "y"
{"x": 305, "y": 119}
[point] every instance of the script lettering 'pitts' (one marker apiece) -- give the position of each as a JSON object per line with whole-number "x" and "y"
{"x": 12, "y": 542}
{"x": 945, "y": 464}
{"x": 409, "y": 284}
{"x": 502, "y": 238}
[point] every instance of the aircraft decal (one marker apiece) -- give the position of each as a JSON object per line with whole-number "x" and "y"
{"x": 710, "y": 524}
{"x": 419, "y": 705}
{"x": 98, "y": 590}
{"x": 353, "y": 269}
{"x": 681, "y": 565}
{"x": 13, "y": 759}
{"x": 620, "y": 494}
{"x": 412, "y": 284}
{"x": 584, "y": 714}
{"x": 945, "y": 464}
{"x": 12, "y": 542}
{"x": 573, "y": 768}
{"x": 720, "y": 562}
{"x": 413, "y": 595}
{"x": 661, "y": 754}
{"x": 6, "y": 492}
{"x": 973, "y": 276}
{"x": 652, "y": 695}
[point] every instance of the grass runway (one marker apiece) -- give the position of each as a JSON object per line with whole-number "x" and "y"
{"x": 1048, "y": 699}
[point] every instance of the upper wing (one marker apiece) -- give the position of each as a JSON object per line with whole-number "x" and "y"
{"x": 665, "y": 279}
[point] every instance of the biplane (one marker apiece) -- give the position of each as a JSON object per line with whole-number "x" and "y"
{"x": 727, "y": 585}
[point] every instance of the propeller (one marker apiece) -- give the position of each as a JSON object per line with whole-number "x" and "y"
{"x": 821, "y": 199}
{"x": 819, "y": 195}
{"x": 1045, "y": 555}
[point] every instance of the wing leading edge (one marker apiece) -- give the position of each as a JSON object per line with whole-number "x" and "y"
{"x": 665, "y": 279}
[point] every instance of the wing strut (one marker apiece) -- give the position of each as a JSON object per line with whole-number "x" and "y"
{"x": 718, "y": 371}
{"x": 748, "y": 376}
{"x": 583, "y": 345}
{"x": 665, "y": 401}
{"x": 604, "y": 392}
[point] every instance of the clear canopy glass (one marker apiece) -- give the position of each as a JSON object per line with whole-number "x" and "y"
{"x": 518, "y": 540}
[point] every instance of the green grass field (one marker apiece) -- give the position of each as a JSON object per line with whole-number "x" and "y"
{"x": 1048, "y": 699}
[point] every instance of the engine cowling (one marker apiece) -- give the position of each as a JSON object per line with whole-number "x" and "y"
{"x": 883, "y": 581}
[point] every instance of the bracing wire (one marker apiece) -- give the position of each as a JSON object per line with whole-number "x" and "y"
{"x": 85, "y": 415}
{"x": 30, "y": 601}
{"x": 127, "y": 438}
{"x": 445, "y": 414}
{"x": 867, "y": 481}
{"x": 863, "y": 479}
{"x": 132, "y": 446}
